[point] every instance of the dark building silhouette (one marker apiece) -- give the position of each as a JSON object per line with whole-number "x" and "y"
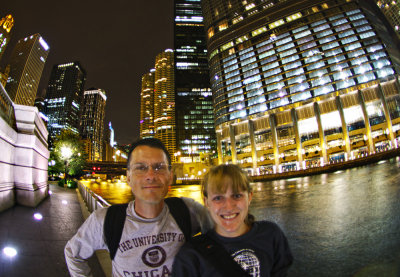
{"x": 63, "y": 101}
{"x": 195, "y": 131}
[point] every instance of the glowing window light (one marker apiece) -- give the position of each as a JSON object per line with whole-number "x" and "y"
{"x": 10, "y": 251}
{"x": 276, "y": 23}
{"x": 44, "y": 44}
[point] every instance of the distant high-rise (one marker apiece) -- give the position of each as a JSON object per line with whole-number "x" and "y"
{"x": 92, "y": 121}
{"x": 391, "y": 9}
{"x": 26, "y": 66}
{"x": 298, "y": 84}
{"x": 63, "y": 99}
{"x": 164, "y": 100}
{"x": 195, "y": 132}
{"x": 6, "y": 24}
{"x": 147, "y": 105}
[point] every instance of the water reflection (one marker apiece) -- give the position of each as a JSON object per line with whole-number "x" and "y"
{"x": 339, "y": 224}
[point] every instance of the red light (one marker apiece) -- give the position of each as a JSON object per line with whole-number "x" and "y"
{"x": 98, "y": 168}
{"x": 94, "y": 168}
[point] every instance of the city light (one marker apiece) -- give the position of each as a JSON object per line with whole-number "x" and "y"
{"x": 38, "y": 216}
{"x": 10, "y": 251}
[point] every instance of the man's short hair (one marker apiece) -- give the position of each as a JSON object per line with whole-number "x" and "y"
{"x": 151, "y": 142}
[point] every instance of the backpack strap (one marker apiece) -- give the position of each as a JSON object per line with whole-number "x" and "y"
{"x": 113, "y": 225}
{"x": 181, "y": 214}
{"x": 115, "y": 220}
{"x": 217, "y": 256}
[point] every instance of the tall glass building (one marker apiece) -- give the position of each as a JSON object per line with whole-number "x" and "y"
{"x": 26, "y": 66}
{"x": 6, "y": 24}
{"x": 92, "y": 122}
{"x": 391, "y": 9}
{"x": 147, "y": 105}
{"x": 63, "y": 101}
{"x": 195, "y": 132}
{"x": 164, "y": 100}
{"x": 298, "y": 84}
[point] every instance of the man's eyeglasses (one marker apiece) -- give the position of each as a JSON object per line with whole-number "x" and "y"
{"x": 158, "y": 168}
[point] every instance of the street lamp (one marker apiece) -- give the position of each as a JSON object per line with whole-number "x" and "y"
{"x": 66, "y": 153}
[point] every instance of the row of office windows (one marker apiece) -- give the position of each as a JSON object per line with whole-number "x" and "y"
{"x": 331, "y": 54}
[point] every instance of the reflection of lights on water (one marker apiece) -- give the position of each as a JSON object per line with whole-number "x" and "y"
{"x": 338, "y": 172}
{"x": 381, "y": 162}
{"x": 38, "y": 216}
{"x": 10, "y": 251}
{"x": 65, "y": 202}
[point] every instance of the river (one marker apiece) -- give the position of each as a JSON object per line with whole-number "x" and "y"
{"x": 345, "y": 223}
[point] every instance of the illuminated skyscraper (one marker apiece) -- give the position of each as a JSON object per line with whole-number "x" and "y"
{"x": 92, "y": 122}
{"x": 164, "y": 100}
{"x": 64, "y": 98}
{"x": 147, "y": 105}
{"x": 194, "y": 108}
{"x": 298, "y": 84}
{"x": 6, "y": 24}
{"x": 26, "y": 66}
{"x": 391, "y": 9}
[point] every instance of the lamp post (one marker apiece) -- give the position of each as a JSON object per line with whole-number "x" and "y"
{"x": 66, "y": 153}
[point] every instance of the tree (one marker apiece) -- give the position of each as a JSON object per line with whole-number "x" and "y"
{"x": 68, "y": 155}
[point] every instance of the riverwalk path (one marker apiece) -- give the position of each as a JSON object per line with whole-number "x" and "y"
{"x": 40, "y": 242}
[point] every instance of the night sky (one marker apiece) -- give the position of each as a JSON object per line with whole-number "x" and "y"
{"x": 115, "y": 41}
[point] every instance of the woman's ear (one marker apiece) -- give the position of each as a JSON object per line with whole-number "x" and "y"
{"x": 250, "y": 196}
{"x": 205, "y": 201}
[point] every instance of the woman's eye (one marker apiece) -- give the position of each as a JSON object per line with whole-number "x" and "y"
{"x": 217, "y": 198}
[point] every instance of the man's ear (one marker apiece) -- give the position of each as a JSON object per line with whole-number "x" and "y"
{"x": 128, "y": 177}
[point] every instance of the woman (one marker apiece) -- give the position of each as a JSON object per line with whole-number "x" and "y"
{"x": 259, "y": 247}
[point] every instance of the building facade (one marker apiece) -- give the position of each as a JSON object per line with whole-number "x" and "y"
{"x": 298, "y": 84}
{"x": 164, "y": 100}
{"x": 92, "y": 122}
{"x": 391, "y": 9}
{"x": 6, "y": 24}
{"x": 63, "y": 99}
{"x": 147, "y": 105}
{"x": 26, "y": 66}
{"x": 194, "y": 107}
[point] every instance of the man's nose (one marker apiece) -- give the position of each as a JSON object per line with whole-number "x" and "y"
{"x": 150, "y": 172}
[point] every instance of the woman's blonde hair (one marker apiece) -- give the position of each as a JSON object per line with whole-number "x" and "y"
{"x": 214, "y": 181}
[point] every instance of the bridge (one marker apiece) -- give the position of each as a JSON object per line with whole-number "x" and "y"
{"x": 111, "y": 169}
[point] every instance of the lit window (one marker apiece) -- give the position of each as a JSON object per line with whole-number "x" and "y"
{"x": 210, "y": 32}
{"x": 237, "y": 19}
{"x": 223, "y": 25}
{"x": 276, "y": 23}
{"x": 293, "y": 17}
{"x": 227, "y": 45}
{"x": 259, "y": 31}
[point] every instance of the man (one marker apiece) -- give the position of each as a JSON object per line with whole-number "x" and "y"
{"x": 151, "y": 237}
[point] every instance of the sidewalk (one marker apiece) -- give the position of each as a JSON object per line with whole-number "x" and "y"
{"x": 40, "y": 243}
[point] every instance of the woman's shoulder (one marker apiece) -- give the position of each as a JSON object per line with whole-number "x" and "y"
{"x": 265, "y": 225}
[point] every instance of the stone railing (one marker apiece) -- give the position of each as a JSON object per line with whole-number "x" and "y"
{"x": 7, "y": 108}
{"x": 92, "y": 200}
